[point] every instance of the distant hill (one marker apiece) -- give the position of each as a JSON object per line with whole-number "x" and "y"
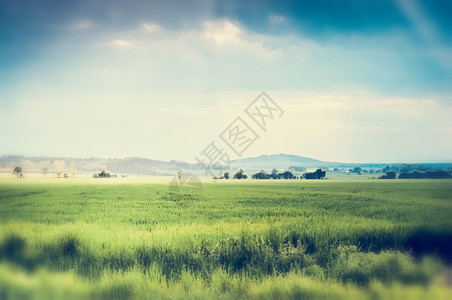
{"x": 286, "y": 161}
{"x": 278, "y": 161}
{"x": 145, "y": 166}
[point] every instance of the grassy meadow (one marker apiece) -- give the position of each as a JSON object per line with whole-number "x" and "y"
{"x": 272, "y": 239}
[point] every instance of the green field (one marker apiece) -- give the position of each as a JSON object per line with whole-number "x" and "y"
{"x": 273, "y": 239}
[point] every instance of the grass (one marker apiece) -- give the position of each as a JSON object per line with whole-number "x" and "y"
{"x": 239, "y": 239}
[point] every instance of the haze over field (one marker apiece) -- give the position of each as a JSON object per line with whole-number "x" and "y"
{"x": 358, "y": 81}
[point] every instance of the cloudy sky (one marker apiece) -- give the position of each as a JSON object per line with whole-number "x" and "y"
{"x": 359, "y": 81}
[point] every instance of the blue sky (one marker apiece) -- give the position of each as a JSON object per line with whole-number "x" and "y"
{"x": 358, "y": 80}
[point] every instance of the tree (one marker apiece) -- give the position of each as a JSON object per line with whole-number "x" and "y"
{"x": 318, "y": 174}
{"x": 240, "y": 175}
{"x": 286, "y": 175}
{"x": 260, "y": 175}
{"x": 437, "y": 174}
{"x": 385, "y": 169}
{"x": 389, "y": 175}
{"x": 412, "y": 175}
{"x": 104, "y": 174}
{"x": 226, "y": 175}
{"x": 357, "y": 170}
{"x": 45, "y": 171}
{"x": 274, "y": 175}
{"x": 403, "y": 168}
{"x": 18, "y": 171}
{"x": 430, "y": 174}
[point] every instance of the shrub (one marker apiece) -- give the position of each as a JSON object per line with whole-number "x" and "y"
{"x": 103, "y": 174}
{"x": 13, "y": 247}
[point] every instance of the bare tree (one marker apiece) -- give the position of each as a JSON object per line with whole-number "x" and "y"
{"x": 73, "y": 172}
{"x": 45, "y": 171}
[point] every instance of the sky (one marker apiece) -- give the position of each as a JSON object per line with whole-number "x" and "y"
{"x": 357, "y": 81}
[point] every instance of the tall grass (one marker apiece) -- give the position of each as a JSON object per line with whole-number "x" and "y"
{"x": 237, "y": 240}
{"x": 274, "y": 252}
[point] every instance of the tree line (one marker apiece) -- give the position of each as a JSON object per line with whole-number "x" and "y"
{"x": 102, "y": 173}
{"x": 19, "y": 172}
{"x": 274, "y": 174}
{"x": 416, "y": 174}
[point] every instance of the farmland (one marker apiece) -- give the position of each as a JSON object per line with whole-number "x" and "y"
{"x": 127, "y": 238}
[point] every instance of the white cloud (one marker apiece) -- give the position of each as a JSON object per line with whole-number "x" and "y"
{"x": 151, "y": 27}
{"x": 229, "y": 36}
{"x": 121, "y": 44}
{"x": 222, "y": 32}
